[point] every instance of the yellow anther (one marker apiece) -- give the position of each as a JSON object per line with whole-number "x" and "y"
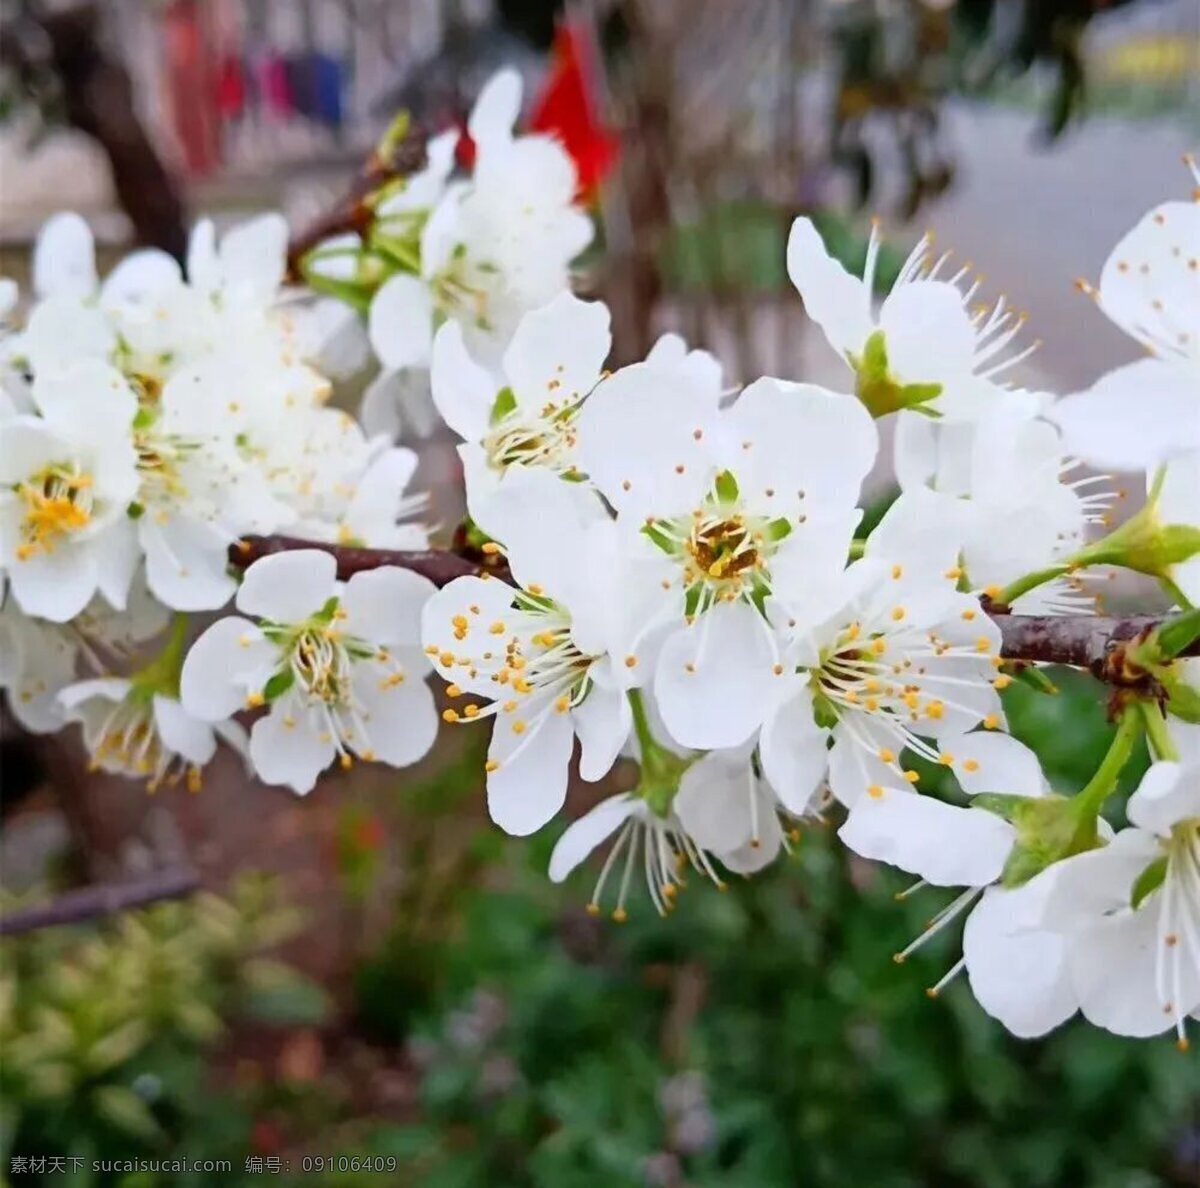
{"x": 346, "y": 762}
{"x": 453, "y": 691}
{"x": 620, "y": 915}
{"x": 536, "y": 590}
{"x": 521, "y": 685}
{"x": 886, "y": 755}
{"x": 969, "y": 615}
{"x": 446, "y": 659}
{"x": 875, "y": 791}
{"x": 872, "y": 704}
{"x": 971, "y": 765}
{"x": 1002, "y": 682}
{"x": 509, "y": 707}
{"x": 563, "y": 704}
{"x": 490, "y": 547}
{"x": 912, "y": 699}
{"x": 449, "y": 715}
{"x": 471, "y": 710}
{"x": 911, "y": 776}
{"x": 953, "y": 573}
{"x": 983, "y": 644}
{"x": 497, "y": 628}
{"x": 254, "y": 699}
{"x": 491, "y": 765}
{"x": 631, "y": 661}
{"x": 852, "y": 631}
{"x": 946, "y": 759}
{"x": 593, "y": 909}
{"x": 897, "y": 614}
{"x": 460, "y": 621}
{"x": 518, "y": 727}
{"x": 991, "y": 722}
{"x": 897, "y": 571}
{"x": 879, "y": 646}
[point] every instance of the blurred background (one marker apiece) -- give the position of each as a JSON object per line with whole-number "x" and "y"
{"x": 374, "y": 973}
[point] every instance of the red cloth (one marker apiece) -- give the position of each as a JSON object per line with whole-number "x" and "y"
{"x": 568, "y": 108}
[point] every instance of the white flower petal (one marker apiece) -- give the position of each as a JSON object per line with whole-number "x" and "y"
{"x": 794, "y": 751}
{"x": 292, "y": 755}
{"x": 638, "y": 442}
{"x": 1133, "y": 418}
{"x": 400, "y": 323}
{"x": 1002, "y": 764}
{"x": 496, "y": 110}
{"x": 228, "y": 660}
{"x": 385, "y": 605}
{"x": 64, "y": 258}
{"x": 940, "y": 843}
{"x": 927, "y": 332}
{"x": 530, "y": 784}
{"x": 581, "y": 837}
{"x": 725, "y": 694}
{"x": 180, "y": 732}
{"x": 400, "y": 719}
{"x": 838, "y": 302}
{"x": 558, "y": 351}
{"x": 187, "y": 564}
{"x": 288, "y": 587}
{"x": 56, "y": 585}
{"x": 1168, "y": 794}
{"x": 463, "y": 391}
{"x": 1017, "y": 972}
{"x": 140, "y": 277}
{"x": 602, "y": 721}
{"x": 714, "y": 802}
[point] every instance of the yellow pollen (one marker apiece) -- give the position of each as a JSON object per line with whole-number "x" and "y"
{"x": 1002, "y": 682}
{"x": 968, "y": 615}
{"x": 971, "y": 765}
{"x": 490, "y": 547}
{"x": 563, "y": 704}
{"x": 946, "y": 759}
{"x": 446, "y": 659}
{"x": 346, "y": 762}
{"x": 194, "y": 779}
{"x": 993, "y": 592}
{"x": 471, "y": 710}
{"x": 449, "y": 715}
{"x": 367, "y": 756}
{"x": 879, "y": 646}
{"x": 886, "y": 755}
{"x": 491, "y": 765}
{"x": 536, "y": 590}
{"x": 912, "y": 699}
{"x": 983, "y": 644}
{"x": 620, "y": 915}
{"x": 935, "y": 710}
{"x": 509, "y": 707}
{"x": 897, "y": 614}
{"x": 460, "y": 621}
{"x": 453, "y": 691}
{"x": 521, "y": 685}
{"x": 631, "y": 661}
{"x": 911, "y": 776}
{"x": 593, "y": 909}
{"x": 953, "y": 573}
{"x": 991, "y": 722}
{"x": 852, "y": 631}
{"x": 497, "y": 628}
{"x": 254, "y": 700}
{"x": 518, "y": 727}
{"x": 897, "y": 571}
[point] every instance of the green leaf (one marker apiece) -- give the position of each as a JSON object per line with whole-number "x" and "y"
{"x": 126, "y": 1111}
{"x": 505, "y": 402}
{"x": 116, "y": 1047}
{"x": 1149, "y": 880}
{"x": 279, "y": 684}
{"x": 278, "y": 994}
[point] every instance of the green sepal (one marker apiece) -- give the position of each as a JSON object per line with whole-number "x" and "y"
{"x": 326, "y": 613}
{"x": 1149, "y": 880}
{"x": 779, "y": 529}
{"x": 1049, "y": 829}
{"x": 879, "y": 390}
{"x": 144, "y": 418}
{"x": 505, "y": 403}
{"x": 1183, "y": 700}
{"x": 279, "y": 684}
{"x": 357, "y": 296}
{"x": 824, "y": 711}
{"x": 656, "y": 533}
{"x": 726, "y": 487}
{"x": 1036, "y": 679}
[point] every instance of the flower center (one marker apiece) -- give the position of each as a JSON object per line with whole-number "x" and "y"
{"x": 129, "y": 742}
{"x": 547, "y": 440}
{"x": 58, "y": 503}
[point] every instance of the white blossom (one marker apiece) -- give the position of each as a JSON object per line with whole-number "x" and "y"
{"x": 338, "y": 665}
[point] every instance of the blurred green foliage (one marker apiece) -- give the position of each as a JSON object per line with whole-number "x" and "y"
{"x": 740, "y": 247}
{"x": 105, "y": 1032}
{"x": 765, "y": 1038}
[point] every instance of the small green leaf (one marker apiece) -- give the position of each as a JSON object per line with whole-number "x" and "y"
{"x": 1149, "y": 880}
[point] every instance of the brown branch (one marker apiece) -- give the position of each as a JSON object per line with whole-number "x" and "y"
{"x": 88, "y": 903}
{"x": 1082, "y": 641}
{"x": 353, "y": 213}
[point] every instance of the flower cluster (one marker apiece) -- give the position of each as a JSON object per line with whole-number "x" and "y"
{"x": 676, "y": 572}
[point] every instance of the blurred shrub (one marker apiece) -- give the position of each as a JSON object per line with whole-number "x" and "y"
{"x": 764, "y": 1038}
{"x": 105, "y": 1032}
